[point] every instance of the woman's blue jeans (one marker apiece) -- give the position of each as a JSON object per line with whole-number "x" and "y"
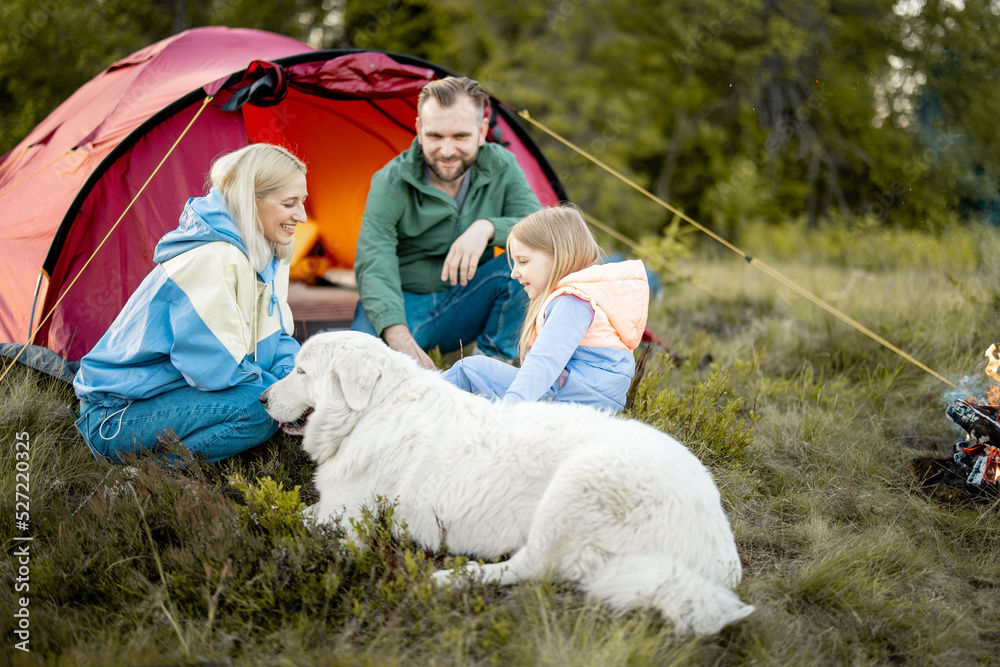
{"x": 489, "y": 311}
{"x": 212, "y": 424}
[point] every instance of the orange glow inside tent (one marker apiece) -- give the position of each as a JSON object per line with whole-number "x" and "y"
{"x": 343, "y": 142}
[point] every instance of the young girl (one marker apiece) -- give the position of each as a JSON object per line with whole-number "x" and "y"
{"x": 584, "y": 320}
{"x": 209, "y": 328}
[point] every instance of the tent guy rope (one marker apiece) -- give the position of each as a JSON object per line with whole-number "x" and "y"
{"x": 100, "y": 245}
{"x": 753, "y": 261}
{"x": 31, "y": 176}
{"x": 644, "y": 253}
{"x": 13, "y": 157}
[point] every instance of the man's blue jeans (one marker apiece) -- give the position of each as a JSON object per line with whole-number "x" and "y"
{"x": 212, "y": 424}
{"x": 489, "y": 310}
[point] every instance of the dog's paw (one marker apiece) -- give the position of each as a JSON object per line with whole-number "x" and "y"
{"x": 459, "y": 577}
{"x": 462, "y": 576}
{"x": 449, "y": 578}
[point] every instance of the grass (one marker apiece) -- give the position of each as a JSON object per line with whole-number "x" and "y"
{"x": 809, "y": 427}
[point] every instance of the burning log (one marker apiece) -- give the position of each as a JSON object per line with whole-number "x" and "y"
{"x": 976, "y": 458}
{"x": 978, "y": 420}
{"x": 984, "y": 468}
{"x": 980, "y": 454}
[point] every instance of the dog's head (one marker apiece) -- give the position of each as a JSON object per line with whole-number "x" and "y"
{"x": 337, "y": 377}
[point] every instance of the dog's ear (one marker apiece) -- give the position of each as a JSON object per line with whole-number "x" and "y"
{"x": 358, "y": 374}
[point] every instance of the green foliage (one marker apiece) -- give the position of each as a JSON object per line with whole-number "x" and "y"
{"x": 660, "y": 92}
{"x": 438, "y": 358}
{"x": 673, "y": 244}
{"x": 51, "y": 48}
{"x": 865, "y": 244}
{"x": 269, "y": 507}
{"x": 705, "y": 417}
{"x": 389, "y": 573}
{"x": 871, "y": 110}
{"x": 421, "y": 28}
{"x": 48, "y": 50}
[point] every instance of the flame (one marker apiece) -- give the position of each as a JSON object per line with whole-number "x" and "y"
{"x": 992, "y": 473}
{"x": 994, "y": 356}
{"x": 988, "y": 470}
{"x": 993, "y": 372}
{"x": 991, "y": 468}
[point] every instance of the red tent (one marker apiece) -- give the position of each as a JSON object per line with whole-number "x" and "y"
{"x": 345, "y": 112}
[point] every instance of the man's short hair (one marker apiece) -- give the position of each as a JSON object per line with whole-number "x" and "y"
{"x": 449, "y": 89}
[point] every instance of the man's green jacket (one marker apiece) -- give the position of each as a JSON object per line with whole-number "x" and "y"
{"x": 409, "y": 226}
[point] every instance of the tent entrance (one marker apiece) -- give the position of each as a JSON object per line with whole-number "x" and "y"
{"x": 343, "y": 142}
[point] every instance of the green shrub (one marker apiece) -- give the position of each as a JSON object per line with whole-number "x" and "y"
{"x": 269, "y": 508}
{"x": 706, "y": 417}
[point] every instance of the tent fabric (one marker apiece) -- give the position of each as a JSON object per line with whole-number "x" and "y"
{"x": 41, "y": 359}
{"x": 81, "y": 133}
{"x": 367, "y": 75}
{"x": 346, "y": 113}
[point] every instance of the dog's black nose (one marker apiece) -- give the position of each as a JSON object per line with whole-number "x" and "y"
{"x": 263, "y": 396}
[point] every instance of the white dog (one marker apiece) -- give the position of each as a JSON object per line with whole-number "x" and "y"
{"x": 614, "y": 505}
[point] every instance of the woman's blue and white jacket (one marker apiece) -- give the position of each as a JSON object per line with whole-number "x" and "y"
{"x": 202, "y": 318}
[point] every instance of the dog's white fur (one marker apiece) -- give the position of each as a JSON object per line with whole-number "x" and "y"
{"x": 614, "y": 505}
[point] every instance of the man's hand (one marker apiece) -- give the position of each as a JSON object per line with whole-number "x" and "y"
{"x": 463, "y": 257}
{"x": 399, "y": 338}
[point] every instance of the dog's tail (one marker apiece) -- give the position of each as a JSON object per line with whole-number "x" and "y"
{"x": 684, "y": 597}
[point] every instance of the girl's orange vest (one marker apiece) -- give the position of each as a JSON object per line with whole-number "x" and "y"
{"x": 618, "y": 293}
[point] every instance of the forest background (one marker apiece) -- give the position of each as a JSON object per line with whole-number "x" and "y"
{"x": 863, "y": 113}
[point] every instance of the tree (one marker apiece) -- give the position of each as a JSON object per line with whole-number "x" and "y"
{"x": 729, "y": 109}
{"x": 948, "y": 96}
{"x": 53, "y": 47}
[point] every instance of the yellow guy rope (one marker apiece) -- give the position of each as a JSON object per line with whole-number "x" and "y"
{"x": 774, "y": 273}
{"x": 10, "y": 160}
{"x": 107, "y": 236}
{"x": 642, "y": 252}
{"x": 31, "y": 176}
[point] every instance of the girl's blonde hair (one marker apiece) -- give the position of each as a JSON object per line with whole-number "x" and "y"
{"x": 561, "y": 233}
{"x": 249, "y": 174}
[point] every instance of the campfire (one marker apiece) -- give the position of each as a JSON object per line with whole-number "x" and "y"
{"x": 978, "y": 456}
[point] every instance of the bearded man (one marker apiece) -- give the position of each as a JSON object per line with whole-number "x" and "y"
{"x": 425, "y": 263}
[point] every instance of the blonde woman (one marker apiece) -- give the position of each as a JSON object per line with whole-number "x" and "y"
{"x": 209, "y": 328}
{"x": 584, "y": 320}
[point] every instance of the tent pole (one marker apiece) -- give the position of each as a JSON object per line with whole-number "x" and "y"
{"x": 34, "y": 302}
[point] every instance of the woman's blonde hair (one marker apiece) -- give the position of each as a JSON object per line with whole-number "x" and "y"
{"x": 249, "y": 174}
{"x": 561, "y": 233}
